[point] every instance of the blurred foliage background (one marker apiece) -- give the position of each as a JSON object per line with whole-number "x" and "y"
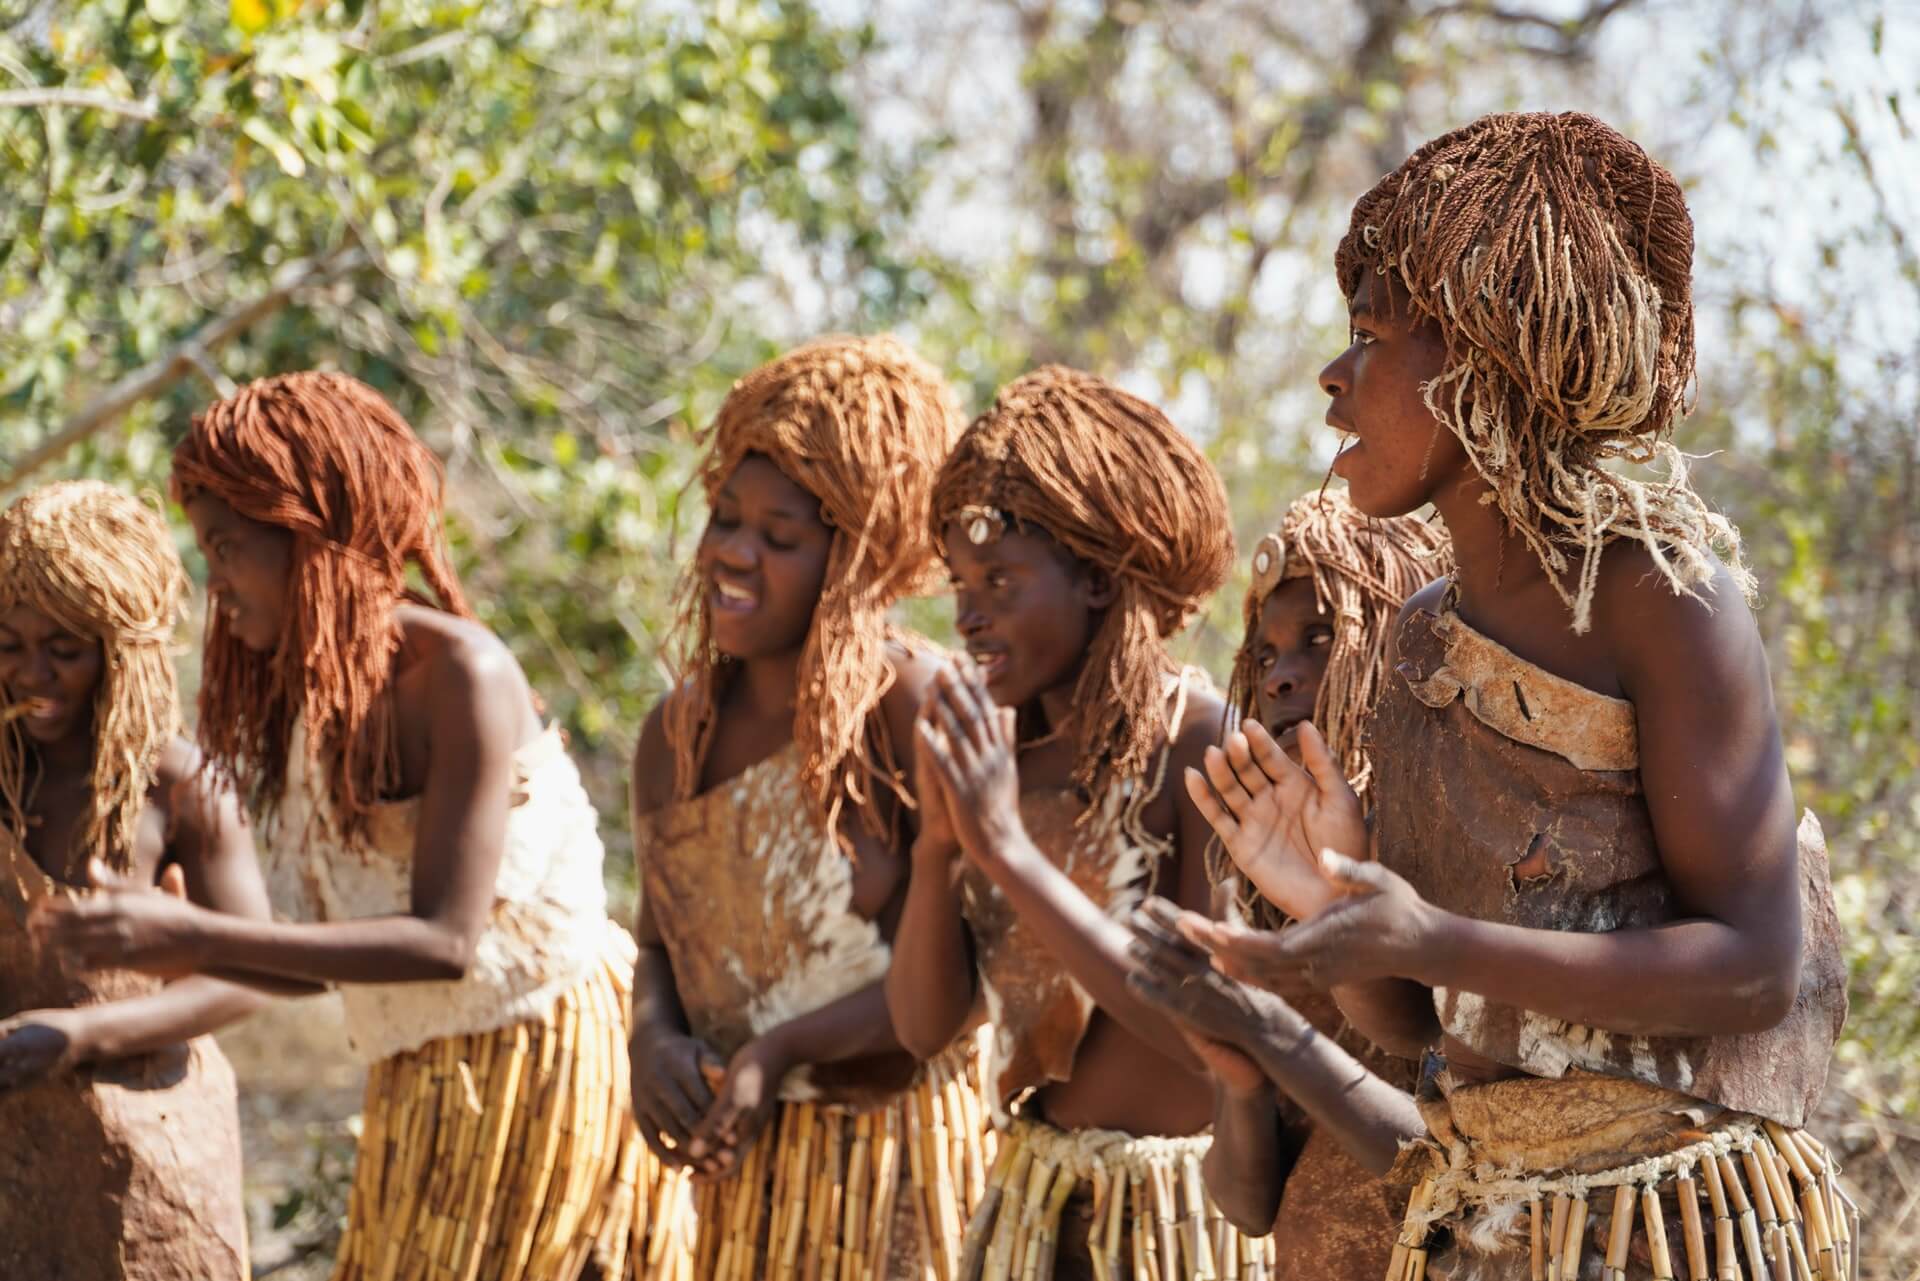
{"x": 553, "y": 233}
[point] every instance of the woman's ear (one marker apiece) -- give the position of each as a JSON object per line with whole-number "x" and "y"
{"x": 1101, "y": 588}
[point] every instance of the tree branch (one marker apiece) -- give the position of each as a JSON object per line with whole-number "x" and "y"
{"x": 84, "y": 99}
{"x": 185, "y": 358}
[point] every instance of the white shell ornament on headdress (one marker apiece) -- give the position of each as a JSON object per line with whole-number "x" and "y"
{"x": 1269, "y": 564}
{"x": 983, "y": 525}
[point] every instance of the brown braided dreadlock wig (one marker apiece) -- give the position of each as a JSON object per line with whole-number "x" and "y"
{"x": 861, "y": 424}
{"x": 326, "y": 458}
{"x": 1119, "y": 486}
{"x": 101, "y": 564}
{"x": 1363, "y": 570}
{"x": 1556, "y": 258}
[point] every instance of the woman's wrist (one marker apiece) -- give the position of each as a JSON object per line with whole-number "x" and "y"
{"x": 1284, "y": 1034}
{"x": 1237, "y": 1100}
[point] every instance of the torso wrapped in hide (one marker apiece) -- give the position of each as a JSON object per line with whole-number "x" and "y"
{"x": 1038, "y": 1013}
{"x": 127, "y": 1170}
{"x": 1506, "y": 793}
{"x": 754, "y": 901}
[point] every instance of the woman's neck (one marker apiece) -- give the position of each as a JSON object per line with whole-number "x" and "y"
{"x": 68, "y": 757}
{"x": 1490, "y": 559}
{"x": 768, "y": 687}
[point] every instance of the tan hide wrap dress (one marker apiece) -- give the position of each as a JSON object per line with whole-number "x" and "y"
{"x": 1332, "y": 1211}
{"x": 497, "y": 1140}
{"x": 1506, "y": 793}
{"x": 120, "y": 1171}
{"x": 1081, "y": 1205}
{"x": 869, "y": 1168}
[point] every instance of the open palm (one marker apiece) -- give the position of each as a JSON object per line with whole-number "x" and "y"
{"x": 1274, "y": 817}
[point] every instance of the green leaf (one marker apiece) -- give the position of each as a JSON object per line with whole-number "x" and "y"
{"x": 291, "y": 162}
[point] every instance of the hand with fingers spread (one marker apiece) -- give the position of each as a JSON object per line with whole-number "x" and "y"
{"x": 969, "y": 741}
{"x": 125, "y": 924}
{"x": 36, "y": 1044}
{"x": 1378, "y": 928}
{"x": 1275, "y": 817}
{"x": 1228, "y": 1024}
{"x": 936, "y": 846}
{"x": 744, "y": 1100}
{"x": 671, "y": 1090}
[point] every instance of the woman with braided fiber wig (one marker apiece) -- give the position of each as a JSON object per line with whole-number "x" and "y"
{"x": 1589, "y": 903}
{"x": 119, "y": 1145}
{"x": 772, "y": 812}
{"x": 428, "y": 848}
{"x": 1327, "y": 588}
{"x": 1082, "y": 531}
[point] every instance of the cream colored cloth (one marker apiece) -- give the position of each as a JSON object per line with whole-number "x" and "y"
{"x": 549, "y": 923}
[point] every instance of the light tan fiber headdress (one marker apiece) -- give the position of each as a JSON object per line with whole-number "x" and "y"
{"x": 1363, "y": 570}
{"x": 1556, "y": 258}
{"x": 101, "y": 564}
{"x": 1119, "y": 486}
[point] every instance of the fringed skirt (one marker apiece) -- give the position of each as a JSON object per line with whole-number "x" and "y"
{"x": 1104, "y": 1206}
{"x": 1592, "y": 1178}
{"x": 512, "y": 1156}
{"x": 832, "y": 1193}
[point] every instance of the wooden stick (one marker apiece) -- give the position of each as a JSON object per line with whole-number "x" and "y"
{"x": 1576, "y": 1239}
{"x": 1619, "y": 1232}
{"x": 1820, "y": 1233}
{"x": 1557, "y": 1234}
{"x": 1656, "y": 1222}
{"x": 1199, "y": 1248}
{"x": 1725, "y": 1255}
{"x": 1403, "y": 1244}
{"x": 1116, "y": 1222}
{"x": 1688, "y": 1194}
{"x": 1049, "y": 1236}
{"x": 1161, "y": 1181}
{"x": 973, "y": 1249}
{"x": 1772, "y": 1230}
{"x": 1536, "y": 1241}
{"x": 1743, "y": 1213}
{"x": 1006, "y": 1226}
{"x": 886, "y": 1184}
{"x": 1032, "y": 1209}
{"x": 1784, "y": 1144}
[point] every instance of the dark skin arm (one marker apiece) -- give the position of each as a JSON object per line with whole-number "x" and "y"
{"x": 478, "y": 705}
{"x": 971, "y": 743}
{"x": 1272, "y": 817}
{"x": 1722, "y": 811}
{"x": 931, "y": 985}
{"x": 211, "y": 861}
{"x": 1369, "y": 1117}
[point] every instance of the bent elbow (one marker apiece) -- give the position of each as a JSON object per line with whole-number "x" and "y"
{"x": 452, "y": 960}
{"x": 1774, "y": 997}
{"x": 922, "y": 1040}
{"x": 1248, "y": 1219}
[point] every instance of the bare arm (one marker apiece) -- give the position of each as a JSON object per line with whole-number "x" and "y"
{"x": 931, "y": 984}
{"x": 212, "y": 863}
{"x": 479, "y": 703}
{"x": 1368, "y": 1116}
{"x": 971, "y": 741}
{"x": 1722, "y": 811}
